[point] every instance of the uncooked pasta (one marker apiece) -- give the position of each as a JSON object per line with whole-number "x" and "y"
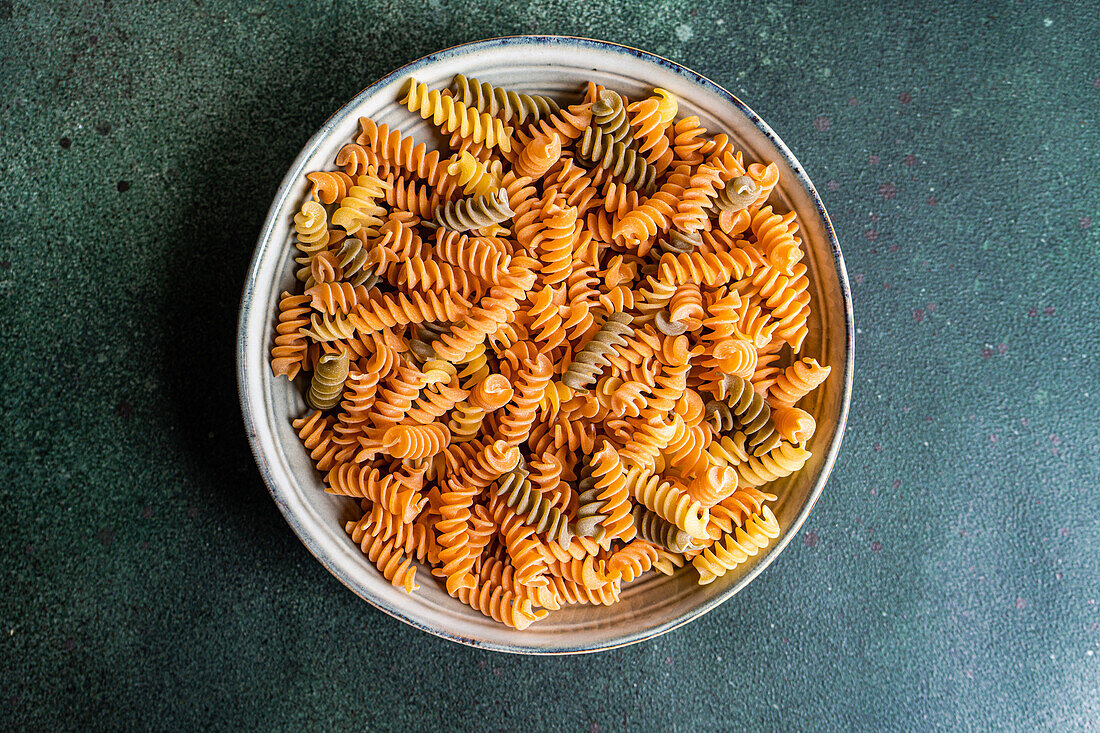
{"x": 560, "y": 352}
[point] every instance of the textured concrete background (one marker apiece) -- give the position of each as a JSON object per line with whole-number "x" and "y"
{"x": 949, "y": 575}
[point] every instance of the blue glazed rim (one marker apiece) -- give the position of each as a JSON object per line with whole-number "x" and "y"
{"x": 288, "y": 183}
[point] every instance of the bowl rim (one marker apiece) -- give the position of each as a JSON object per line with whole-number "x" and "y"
{"x": 245, "y": 379}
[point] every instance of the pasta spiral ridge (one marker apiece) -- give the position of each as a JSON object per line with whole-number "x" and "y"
{"x": 569, "y": 124}
{"x": 311, "y": 226}
{"x": 546, "y": 324}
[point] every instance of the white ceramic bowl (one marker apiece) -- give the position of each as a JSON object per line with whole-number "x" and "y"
{"x": 554, "y": 65}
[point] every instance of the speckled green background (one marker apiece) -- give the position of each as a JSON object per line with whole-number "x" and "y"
{"x": 948, "y": 577}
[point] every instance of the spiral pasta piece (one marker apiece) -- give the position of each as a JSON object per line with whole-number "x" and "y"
{"x": 737, "y": 195}
{"x": 609, "y": 115}
{"x": 707, "y": 268}
{"x": 385, "y": 311}
{"x": 519, "y": 414}
{"x": 648, "y": 123}
{"x": 687, "y": 141}
{"x": 503, "y": 103}
{"x": 403, "y": 152}
{"x": 783, "y": 461}
{"x": 736, "y": 548}
{"x": 633, "y": 560}
{"x": 794, "y": 425}
{"x": 537, "y": 156}
{"x": 554, "y": 242}
{"x": 474, "y": 212}
{"x": 775, "y": 236}
{"x": 656, "y": 214}
{"x": 289, "y": 351}
{"x": 657, "y": 531}
{"x": 433, "y": 276}
{"x": 418, "y": 199}
{"x": 311, "y": 226}
{"x": 332, "y": 298}
{"x": 797, "y": 381}
{"x": 416, "y": 441}
{"x": 476, "y": 177}
{"x": 500, "y": 605}
{"x": 617, "y": 158}
{"x": 589, "y": 361}
{"x": 609, "y": 476}
{"x": 315, "y": 431}
{"x": 358, "y": 211}
{"x": 475, "y": 255}
{"x": 569, "y": 123}
{"x": 713, "y": 485}
{"x": 329, "y": 375}
{"x": 329, "y": 186}
{"x": 669, "y": 502}
{"x": 745, "y": 409}
{"x": 397, "y": 493}
{"x": 451, "y": 115}
{"x": 395, "y": 566}
{"x": 515, "y": 490}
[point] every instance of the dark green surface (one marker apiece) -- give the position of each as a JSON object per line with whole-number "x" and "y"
{"x": 948, "y": 577}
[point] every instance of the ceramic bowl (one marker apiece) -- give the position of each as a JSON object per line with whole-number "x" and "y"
{"x": 554, "y": 65}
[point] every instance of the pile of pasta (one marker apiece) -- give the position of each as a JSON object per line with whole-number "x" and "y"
{"x": 559, "y": 353}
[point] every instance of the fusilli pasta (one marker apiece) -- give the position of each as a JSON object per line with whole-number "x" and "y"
{"x": 558, "y": 356}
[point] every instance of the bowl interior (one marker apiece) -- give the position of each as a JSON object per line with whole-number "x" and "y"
{"x": 556, "y": 66}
